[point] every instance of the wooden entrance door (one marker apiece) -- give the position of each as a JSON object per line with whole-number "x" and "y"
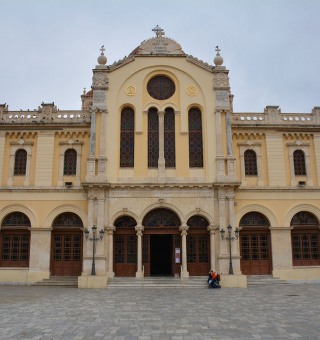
{"x": 66, "y": 253}
{"x": 125, "y": 254}
{"x": 255, "y": 252}
{"x": 198, "y": 246}
{"x": 198, "y": 254}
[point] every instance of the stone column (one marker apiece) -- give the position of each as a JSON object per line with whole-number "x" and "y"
{"x": 229, "y": 134}
{"x": 161, "y": 160}
{"x": 212, "y": 230}
{"x": 102, "y": 159}
{"x": 220, "y": 164}
{"x": 139, "y": 229}
{"x": 281, "y": 249}
{"x": 27, "y": 177}
{"x": 110, "y": 231}
{"x": 184, "y": 228}
{"x": 39, "y": 265}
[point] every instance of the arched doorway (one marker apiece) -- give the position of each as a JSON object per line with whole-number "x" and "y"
{"x": 198, "y": 246}
{"x": 161, "y": 250}
{"x": 305, "y": 237}
{"x": 125, "y": 247}
{"x": 66, "y": 245}
{"x": 255, "y": 245}
{"x": 15, "y": 240}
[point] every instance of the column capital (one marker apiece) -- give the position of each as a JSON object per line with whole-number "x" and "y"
{"x": 184, "y": 228}
{"x": 110, "y": 229}
{"x": 139, "y": 229}
{"x": 212, "y": 228}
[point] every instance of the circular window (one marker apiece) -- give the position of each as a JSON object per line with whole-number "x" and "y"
{"x": 161, "y": 87}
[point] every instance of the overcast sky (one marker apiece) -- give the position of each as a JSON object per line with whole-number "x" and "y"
{"x": 271, "y": 47}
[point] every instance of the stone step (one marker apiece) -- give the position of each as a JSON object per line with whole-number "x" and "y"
{"x": 158, "y": 282}
{"x": 260, "y": 280}
{"x": 59, "y": 281}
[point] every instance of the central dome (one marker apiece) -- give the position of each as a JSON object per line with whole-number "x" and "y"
{"x": 158, "y": 45}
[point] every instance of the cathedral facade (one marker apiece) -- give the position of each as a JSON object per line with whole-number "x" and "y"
{"x": 157, "y": 176}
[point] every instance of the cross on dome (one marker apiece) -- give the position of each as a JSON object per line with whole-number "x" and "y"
{"x": 217, "y": 50}
{"x": 102, "y": 49}
{"x": 159, "y": 31}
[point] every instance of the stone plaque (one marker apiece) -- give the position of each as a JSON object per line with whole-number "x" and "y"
{"x": 99, "y": 99}
{"x": 222, "y": 99}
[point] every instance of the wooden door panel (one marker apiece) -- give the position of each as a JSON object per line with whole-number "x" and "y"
{"x": 125, "y": 255}
{"x": 198, "y": 251}
{"x": 66, "y": 255}
{"x": 255, "y": 253}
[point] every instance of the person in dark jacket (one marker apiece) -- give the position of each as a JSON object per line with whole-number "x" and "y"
{"x": 213, "y": 280}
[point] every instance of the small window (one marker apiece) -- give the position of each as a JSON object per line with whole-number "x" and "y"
{"x": 299, "y": 163}
{"x": 20, "y": 162}
{"x": 70, "y": 162}
{"x": 250, "y": 163}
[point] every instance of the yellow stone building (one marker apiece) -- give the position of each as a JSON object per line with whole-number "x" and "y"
{"x": 159, "y": 163}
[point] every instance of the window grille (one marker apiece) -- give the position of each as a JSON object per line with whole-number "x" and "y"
{"x": 127, "y": 138}
{"x": 169, "y": 138}
{"x": 305, "y": 239}
{"x": 250, "y": 163}
{"x": 161, "y": 218}
{"x": 299, "y": 163}
{"x": 195, "y": 139}
{"x": 15, "y": 240}
{"x": 197, "y": 221}
{"x": 67, "y": 220}
{"x": 153, "y": 138}
{"x": 161, "y": 87}
{"x": 20, "y": 162}
{"x": 70, "y": 162}
{"x": 125, "y": 222}
{"x": 254, "y": 219}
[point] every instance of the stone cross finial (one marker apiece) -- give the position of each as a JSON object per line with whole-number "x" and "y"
{"x": 84, "y": 90}
{"x": 102, "y": 49}
{"x": 217, "y": 50}
{"x": 159, "y": 31}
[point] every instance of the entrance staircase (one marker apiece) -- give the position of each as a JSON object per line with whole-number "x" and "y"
{"x": 59, "y": 281}
{"x": 262, "y": 280}
{"x": 157, "y": 282}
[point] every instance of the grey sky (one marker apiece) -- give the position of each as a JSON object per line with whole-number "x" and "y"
{"x": 271, "y": 47}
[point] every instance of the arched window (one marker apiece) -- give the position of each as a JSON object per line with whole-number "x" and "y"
{"x": 20, "y": 162}
{"x": 67, "y": 220}
{"x": 305, "y": 239}
{"x": 161, "y": 218}
{"x": 127, "y": 138}
{"x": 197, "y": 221}
{"x": 70, "y": 162}
{"x": 153, "y": 138}
{"x": 169, "y": 138}
{"x": 15, "y": 240}
{"x": 195, "y": 139}
{"x": 250, "y": 163}
{"x": 299, "y": 163}
{"x": 254, "y": 219}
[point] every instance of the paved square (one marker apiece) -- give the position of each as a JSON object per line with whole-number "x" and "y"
{"x": 266, "y": 312}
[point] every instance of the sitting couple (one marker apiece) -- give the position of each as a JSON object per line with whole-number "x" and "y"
{"x": 214, "y": 280}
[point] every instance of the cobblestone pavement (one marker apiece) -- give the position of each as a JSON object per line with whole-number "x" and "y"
{"x": 267, "y": 312}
